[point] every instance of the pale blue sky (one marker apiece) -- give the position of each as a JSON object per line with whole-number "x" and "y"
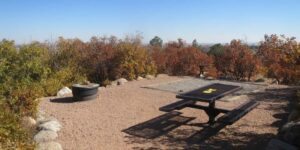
{"x": 208, "y": 21}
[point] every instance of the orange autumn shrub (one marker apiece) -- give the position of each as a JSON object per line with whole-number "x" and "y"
{"x": 237, "y": 61}
{"x": 281, "y": 58}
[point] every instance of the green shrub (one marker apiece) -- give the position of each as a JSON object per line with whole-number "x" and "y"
{"x": 133, "y": 60}
{"x": 12, "y": 135}
{"x": 64, "y": 77}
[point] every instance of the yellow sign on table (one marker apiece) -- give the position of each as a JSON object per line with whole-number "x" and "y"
{"x": 210, "y": 90}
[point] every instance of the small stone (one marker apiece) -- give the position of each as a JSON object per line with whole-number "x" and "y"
{"x": 52, "y": 125}
{"x": 201, "y": 76}
{"x": 275, "y": 82}
{"x": 45, "y": 136}
{"x": 139, "y": 78}
{"x": 49, "y": 146}
{"x": 121, "y": 81}
{"x": 149, "y": 77}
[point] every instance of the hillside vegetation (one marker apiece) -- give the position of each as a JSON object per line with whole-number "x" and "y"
{"x": 34, "y": 70}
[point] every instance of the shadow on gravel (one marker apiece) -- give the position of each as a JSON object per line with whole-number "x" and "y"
{"x": 203, "y": 137}
{"x": 279, "y": 100}
{"x": 158, "y": 126}
{"x": 62, "y": 100}
{"x": 233, "y": 139}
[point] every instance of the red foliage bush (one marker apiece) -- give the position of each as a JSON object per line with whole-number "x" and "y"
{"x": 237, "y": 61}
{"x": 281, "y": 58}
{"x": 177, "y": 59}
{"x": 109, "y": 58}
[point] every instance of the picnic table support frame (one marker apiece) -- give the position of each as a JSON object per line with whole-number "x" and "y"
{"x": 210, "y": 110}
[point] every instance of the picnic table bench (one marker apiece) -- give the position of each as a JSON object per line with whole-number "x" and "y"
{"x": 211, "y": 94}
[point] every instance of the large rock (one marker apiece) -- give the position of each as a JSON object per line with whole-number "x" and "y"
{"x": 291, "y": 133}
{"x": 28, "y": 122}
{"x": 121, "y": 81}
{"x": 295, "y": 114}
{"x": 276, "y": 144}
{"x": 47, "y": 120}
{"x": 114, "y": 83}
{"x": 149, "y": 77}
{"x": 52, "y": 125}
{"x": 65, "y": 91}
{"x": 40, "y": 116}
{"x": 45, "y": 136}
{"x": 49, "y": 146}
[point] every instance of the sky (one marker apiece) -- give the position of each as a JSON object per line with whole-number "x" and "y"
{"x": 207, "y": 21}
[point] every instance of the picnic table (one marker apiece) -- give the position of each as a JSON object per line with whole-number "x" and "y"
{"x": 210, "y": 94}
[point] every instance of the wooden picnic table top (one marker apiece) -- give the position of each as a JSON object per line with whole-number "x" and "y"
{"x": 209, "y": 93}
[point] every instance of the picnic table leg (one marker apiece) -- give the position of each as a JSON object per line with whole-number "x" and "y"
{"x": 211, "y": 112}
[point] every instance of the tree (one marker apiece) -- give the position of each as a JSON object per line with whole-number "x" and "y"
{"x": 181, "y": 42}
{"x": 281, "y": 58}
{"x": 156, "y": 41}
{"x": 196, "y": 45}
{"x": 216, "y": 50}
{"x": 237, "y": 61}
{"x": 133, "y": 60}
{"x": 189, "y": 60}
{"x": 178, "y": 59}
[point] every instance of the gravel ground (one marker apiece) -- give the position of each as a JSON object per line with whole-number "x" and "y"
{"x": 97, "y": 124}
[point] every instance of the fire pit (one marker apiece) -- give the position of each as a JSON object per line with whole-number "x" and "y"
{"x": 85, "y": 92}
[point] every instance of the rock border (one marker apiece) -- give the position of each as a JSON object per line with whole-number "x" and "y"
{"x": 47, "y": 132}
{"x": 122, "y": 81}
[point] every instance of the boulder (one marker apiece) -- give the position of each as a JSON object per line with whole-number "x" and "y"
{"x": 276, "y": 144}
{"x": 45, "y": 136}
{"x": 139, "y": 78}
{"x": 149, "y": 77}
{"x": 47, "y": 120}
{"x": 40, "y": 116}
{"x": 52, "y": 125}
{"x": 28, "y": 122}
{"x": 291, "y": 133}
{"x": 121, "y": 81}
{"x": 65, "y": 91}
{"x": 295, "y": 114}
{"x": 48, "y": 146}
{"x": 275, "y": 82}
{"x": 114, "y": 83}
{"x": 201, "y": 76}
